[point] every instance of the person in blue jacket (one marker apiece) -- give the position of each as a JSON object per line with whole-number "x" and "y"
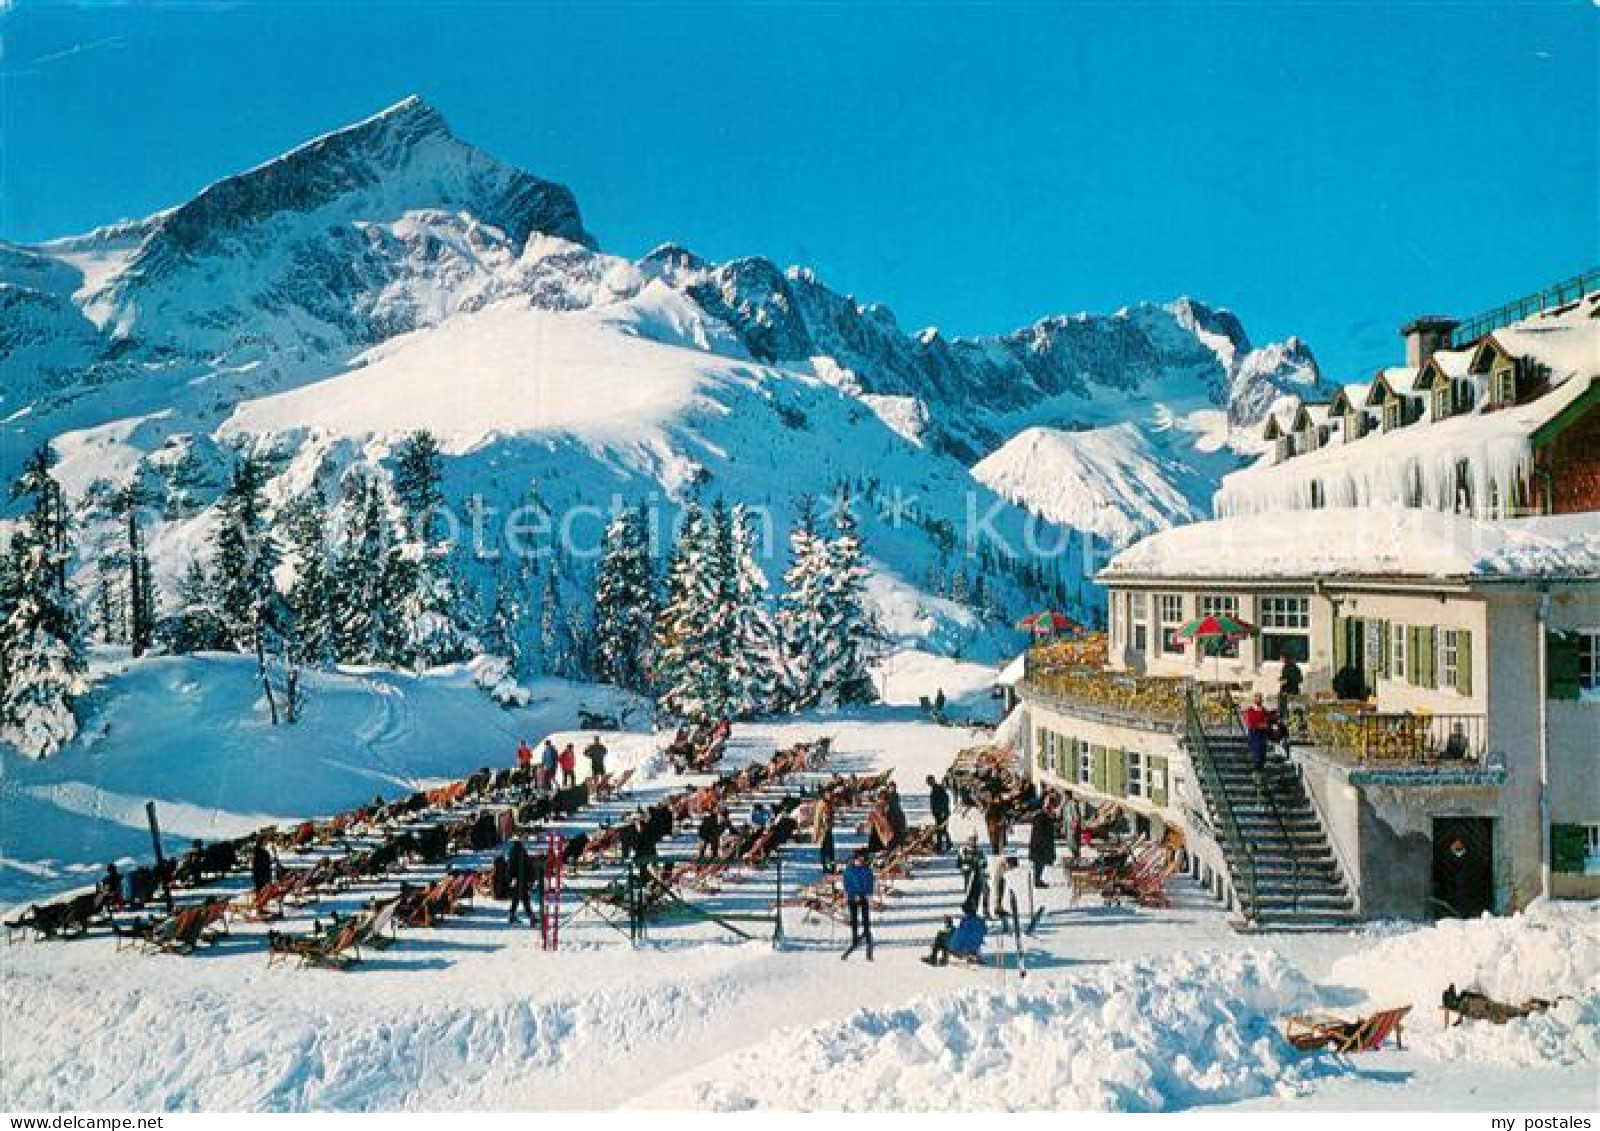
{"x": 858, "y": 884}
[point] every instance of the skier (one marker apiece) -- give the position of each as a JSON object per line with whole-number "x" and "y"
{"x": 939, "y": 806}
{"x": 858, "y": 885}
{"x": 568, "y": 760}
{"x": 1042, "y": 842}
{"x": 595, "y": 752}
{"x": 760, "y": 815}
{"x": 524, "y": 755}
{"x": 1004, "y": 874}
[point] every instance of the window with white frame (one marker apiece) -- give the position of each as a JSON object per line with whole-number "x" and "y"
{"x": 1169, "y": 606}
{"x": 1449, "y": 657}
{"x": 1139, "y": 620}
{"x": 1392, "y": 414}
{"x": 1505, "y": 386}
{"x": 1135, "y": 761}
{"x": 1286, "y": 628}
{"x": 1397, "y": 652}
{"x": 1589, "y": 662}
{"x": 1220, "y": 605}
{"x": 1441, "y": 402}
{"x": 1085, "y": 763}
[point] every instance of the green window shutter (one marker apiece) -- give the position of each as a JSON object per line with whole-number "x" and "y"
{"x": 1561, "y": 665}
{"x": 1117, "y": 772}
{"x": 1430, "y": 656}
{"x": 1566, "y": 848}
{"x": 1341, "y": 646}
{"x": 1413, "y": 655}
{"x": 1099, "y": 755}
{"x": 1464, "y": 661}
{"x": 1381, "y": 627}
{"x": 1156, "y": 774}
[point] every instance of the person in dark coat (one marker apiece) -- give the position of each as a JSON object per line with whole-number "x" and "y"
{"x": 595, "y": 752}
{"x": 709, "y": 833}
{"x": 897, "y": 816}
{"x": 939, "y": 807}
{"x": 995, "y": 820}
{"x": 1042, "y": 843}
{"x": 262, "y": 868}
{"x": 519, "y": 873}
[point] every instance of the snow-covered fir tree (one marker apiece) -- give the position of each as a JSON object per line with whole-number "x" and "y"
{"x": 828, "y": 637}
{"x": 312, "y": 595}
{"x": 192, "y": 625}
{"x": 756, "y": 658}
{"x": 625, "y": 602}
{"x": 244, "y": 555}
{"x": 691, "y": 674}
{"x": 804, "y": 618}
{"x": 41, "y": 637}
{"x": 361, "y": 617}
{"x": 422, "y": 577}
{"x": 854, "y": 636}
{"x": 141, "y": 590}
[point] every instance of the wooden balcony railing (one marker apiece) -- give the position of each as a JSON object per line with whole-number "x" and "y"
{"x": 1410, "y": 738}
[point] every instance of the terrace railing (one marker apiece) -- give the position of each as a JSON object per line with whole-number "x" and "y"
{"x": 1400, "y": 738}
{"x": 1557, "y": 294}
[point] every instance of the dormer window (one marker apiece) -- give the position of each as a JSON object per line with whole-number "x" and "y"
{"x": 1352, "y": 427}
{"x": 1505, "y": 386}
{"x": 1283, "y": 448}
{"x": 1392, "y": 414}
{"x": 1441, "y": 402}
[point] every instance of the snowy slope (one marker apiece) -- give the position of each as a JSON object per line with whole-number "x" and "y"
{"x": 190, "y": 733}
{"x": 1118, "y": 482}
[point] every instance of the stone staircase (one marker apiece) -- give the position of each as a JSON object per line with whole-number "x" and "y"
{"x": 1283, "y": 868}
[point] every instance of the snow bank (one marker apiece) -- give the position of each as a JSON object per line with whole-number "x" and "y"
{"x": 1366, "y": 542}
{"x": 1155, "y": 1035}
{"x": 1551, "y": 951}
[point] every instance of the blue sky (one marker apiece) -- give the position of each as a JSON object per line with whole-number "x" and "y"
{"x": 1322, "y": 170}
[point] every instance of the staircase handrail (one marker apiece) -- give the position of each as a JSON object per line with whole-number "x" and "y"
{"x": 1200, "y": 749}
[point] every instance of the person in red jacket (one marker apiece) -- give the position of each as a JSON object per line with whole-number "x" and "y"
{"x": 569, "y": 766}
{"x": 1258, "y": 722}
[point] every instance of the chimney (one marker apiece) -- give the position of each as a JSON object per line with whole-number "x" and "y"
{"x": 1425, "y": 335}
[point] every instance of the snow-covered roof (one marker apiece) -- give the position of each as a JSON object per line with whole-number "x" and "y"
{"x": 1315, "y": 413}
{"x": 1352, "y": 396}
{"x": 1417, "y": 461}
{"x": 1013, "y": 672}
{"x": 1562, "y": 345}
{"x": 1365, "y": 542}
{"x": 1400, "y": 380}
